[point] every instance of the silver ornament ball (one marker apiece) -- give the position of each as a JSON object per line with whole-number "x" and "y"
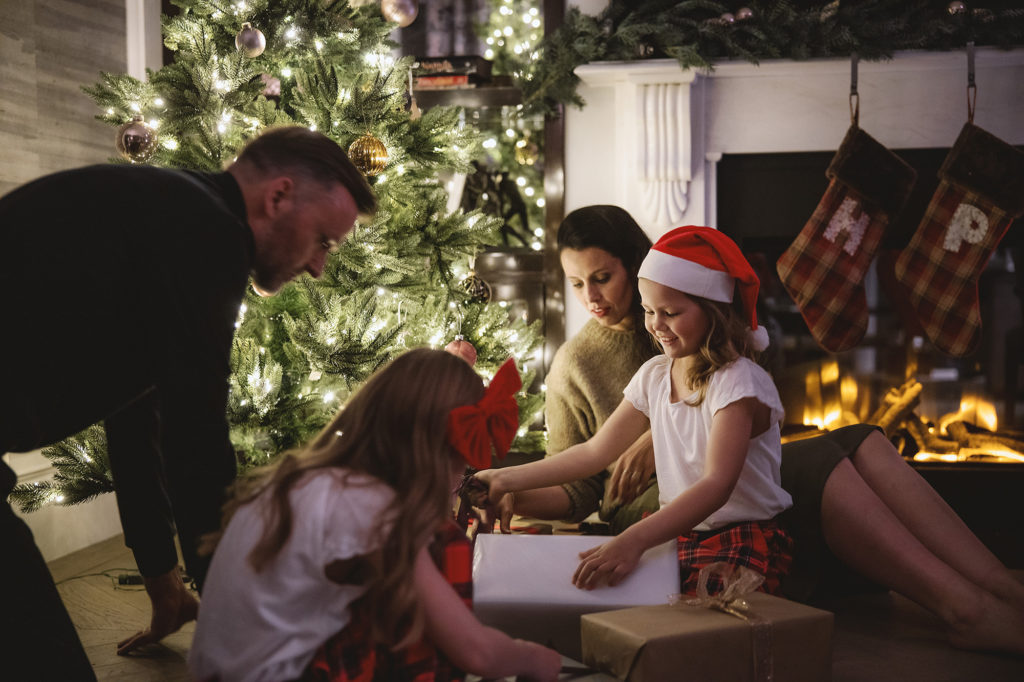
{"x": 402, "y": 12}
{"x": 250, "y": 41}
{"x": 136, "y": 140}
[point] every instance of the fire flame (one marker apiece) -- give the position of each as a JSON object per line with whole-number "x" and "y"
{"x": 973, "y": 410}
{"x": 831, "y": 401}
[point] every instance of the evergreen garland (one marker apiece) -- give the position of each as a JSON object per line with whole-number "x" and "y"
{"x": 696, "y": 35}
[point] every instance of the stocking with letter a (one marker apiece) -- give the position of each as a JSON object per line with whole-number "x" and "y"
{"x": 823, "y": 269}
{"x": 981, "y": 191}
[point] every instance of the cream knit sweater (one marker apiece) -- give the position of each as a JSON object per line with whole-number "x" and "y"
{"x": 584, "y": 386}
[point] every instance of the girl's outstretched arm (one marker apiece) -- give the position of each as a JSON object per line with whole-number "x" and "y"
{"x": 470, "y": 645}
{"x": 731, "y": 430}
{"x": 624, "y": 426}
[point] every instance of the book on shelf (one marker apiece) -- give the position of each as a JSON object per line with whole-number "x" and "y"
{"x": 458, "y": 64}
{"x": 446, "y": 81}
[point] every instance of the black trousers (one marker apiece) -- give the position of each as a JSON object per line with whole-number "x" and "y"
{"x": 39, "y": 640}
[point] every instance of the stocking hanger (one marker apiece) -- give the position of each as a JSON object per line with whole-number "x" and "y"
{"x": 972, "y": 88}
{"x": 854, "y": 97}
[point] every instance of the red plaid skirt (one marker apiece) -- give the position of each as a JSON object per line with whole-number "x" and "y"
{"x": 762, "y": 546}
{"x": 352, "y": 656}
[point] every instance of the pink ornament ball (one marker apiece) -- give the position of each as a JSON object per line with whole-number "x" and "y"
{"x": 463, "y": 349}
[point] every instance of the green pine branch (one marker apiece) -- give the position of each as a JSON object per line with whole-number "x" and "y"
{"x": 695, "y": 34}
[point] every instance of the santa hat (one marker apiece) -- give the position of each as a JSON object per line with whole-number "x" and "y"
{"x": 703, "y": 262}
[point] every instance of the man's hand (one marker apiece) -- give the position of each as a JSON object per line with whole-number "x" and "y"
{"x": 173, "y": 606}
{"x": 633, "y": 470}
{"x": 607, "y": 564}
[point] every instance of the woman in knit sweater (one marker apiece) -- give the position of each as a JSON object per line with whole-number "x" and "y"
{"x": 601, "y": 248}
{"x": 860, "y": 514}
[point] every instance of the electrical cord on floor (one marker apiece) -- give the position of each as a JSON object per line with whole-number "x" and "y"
{"x": 128, "y": 579}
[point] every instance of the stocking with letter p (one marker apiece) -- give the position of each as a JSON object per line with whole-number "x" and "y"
{"x": 981, "y": 191}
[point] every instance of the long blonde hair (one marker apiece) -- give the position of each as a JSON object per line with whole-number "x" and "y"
{"x": 728, "y": 338}
{"x": 394, "y": 429}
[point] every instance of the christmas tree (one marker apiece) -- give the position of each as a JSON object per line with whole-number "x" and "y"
{"x": 403, "y": 279}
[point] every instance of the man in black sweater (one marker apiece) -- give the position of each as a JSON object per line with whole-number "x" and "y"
{"x": 122, "y": 286}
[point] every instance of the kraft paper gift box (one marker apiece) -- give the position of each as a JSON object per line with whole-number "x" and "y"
{"x": 687, "y": 643}
{"x": 522, "y": 585}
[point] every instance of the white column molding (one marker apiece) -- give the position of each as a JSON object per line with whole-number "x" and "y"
{"x": 664, "y": 149}
{"x": 653, "y": 125}
{"x": 143, "y": 36}
{"x": 711, "y": 160}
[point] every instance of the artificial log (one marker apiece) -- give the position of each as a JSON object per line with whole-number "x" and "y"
{"x": 982, "y": 441}
{"x": 896, "y": 406}
{"x": 927, "y": 441}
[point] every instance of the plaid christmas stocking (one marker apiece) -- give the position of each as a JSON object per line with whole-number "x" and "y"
{"x": 981, "y": 191}
{"x": 823, "y": 269}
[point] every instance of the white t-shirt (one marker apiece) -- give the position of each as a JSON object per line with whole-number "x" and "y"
{"x": 681, "y": 432}
{"x": 267, "y": 625}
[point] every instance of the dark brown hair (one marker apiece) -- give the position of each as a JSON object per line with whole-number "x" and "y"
{"x": 611, "y": 229}
{"x": 310, "y": 155}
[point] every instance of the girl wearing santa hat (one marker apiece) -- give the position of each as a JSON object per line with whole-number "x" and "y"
{"x": 714, "y": 416}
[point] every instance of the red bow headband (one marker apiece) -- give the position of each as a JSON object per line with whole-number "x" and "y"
{"x": 477, "y": 432}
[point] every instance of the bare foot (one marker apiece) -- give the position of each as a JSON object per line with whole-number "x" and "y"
{"x": 990, "y": 624}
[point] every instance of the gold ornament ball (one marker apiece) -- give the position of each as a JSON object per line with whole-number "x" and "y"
{"x": 250, "y": 41}
{"x": 526, "y": 152}
{"x": 744, "y": 13}
{"x": 402, "y": 12}
{"x": 136, "y": 140}
{"x": 368, "y": 154}
{"x": 956, "y": 7}
{"x": 478, "y": 290}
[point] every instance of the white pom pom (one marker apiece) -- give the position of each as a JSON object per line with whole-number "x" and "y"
{"x": 759, "y": 338}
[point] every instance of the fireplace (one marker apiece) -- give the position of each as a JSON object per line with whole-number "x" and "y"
{"x": 895, "y": 373}
{"x": 744, "y": 149}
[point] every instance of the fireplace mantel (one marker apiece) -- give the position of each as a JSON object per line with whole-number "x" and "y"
{"x": 651, "y": 133}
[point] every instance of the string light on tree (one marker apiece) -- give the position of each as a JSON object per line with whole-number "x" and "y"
{"x": 250, "y": 41}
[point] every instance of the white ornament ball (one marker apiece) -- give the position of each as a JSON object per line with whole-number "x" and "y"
{"x": 744, "y": 13}
{"x": 727, "y": 18}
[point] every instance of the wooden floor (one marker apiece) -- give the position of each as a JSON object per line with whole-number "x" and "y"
{"x": 878, "y": 638}
{"x": 104, "y": 614}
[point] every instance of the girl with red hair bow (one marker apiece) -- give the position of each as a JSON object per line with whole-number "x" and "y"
{"x": 324, "y": 569}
